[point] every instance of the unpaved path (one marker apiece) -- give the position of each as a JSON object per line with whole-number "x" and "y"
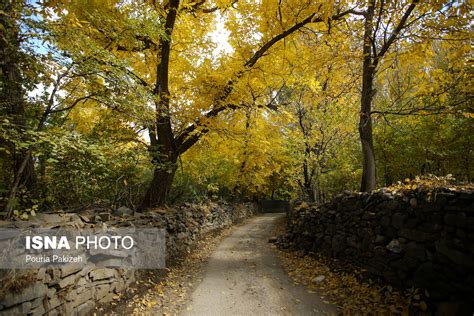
{"x": 244, "y": 277}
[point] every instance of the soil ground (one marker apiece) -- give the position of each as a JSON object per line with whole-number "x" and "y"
{"x": 244, "y": 277}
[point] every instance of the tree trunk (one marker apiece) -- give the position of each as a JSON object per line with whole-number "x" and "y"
{"x": 308, "y": 185}
{"x": 365, "y": 122}
{"x": 12, "y": 93}
{"x": 238, "y": 189}
{"x": 371, "y": 60}
{"x": 368, "y": 155}
{"x": 164, "y": 156}
{"x": 159, "y": 189}
{"x": 163, "y": 149}
{"x": 28, "y": 178}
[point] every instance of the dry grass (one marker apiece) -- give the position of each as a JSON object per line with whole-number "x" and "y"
{"x": 14, "y": 281}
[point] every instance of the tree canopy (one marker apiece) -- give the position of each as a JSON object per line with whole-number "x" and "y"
{"x": 143, "y": 103}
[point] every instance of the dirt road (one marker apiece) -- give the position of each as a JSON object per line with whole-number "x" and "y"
{"x": 244, "y": 277}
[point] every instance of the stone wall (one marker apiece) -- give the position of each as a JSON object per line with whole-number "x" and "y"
{"x": 417, "y": 238}
{"x": 75, "y": 290}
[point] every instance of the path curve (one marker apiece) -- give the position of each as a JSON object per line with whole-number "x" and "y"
{"x": 243, "y": 277}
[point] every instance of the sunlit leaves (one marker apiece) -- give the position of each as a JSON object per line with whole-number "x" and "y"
{"x": 297, "y": 103}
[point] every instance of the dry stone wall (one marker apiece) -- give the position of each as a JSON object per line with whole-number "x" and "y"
{"x": 420, "y": 238}
{"x": 73, "y": 289}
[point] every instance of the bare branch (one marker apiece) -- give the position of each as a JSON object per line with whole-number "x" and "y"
{"x": 69, "y": 107}
{"x": 197, "y": 7}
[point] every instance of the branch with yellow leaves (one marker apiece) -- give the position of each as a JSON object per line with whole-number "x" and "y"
{"x": 191, "y": 135}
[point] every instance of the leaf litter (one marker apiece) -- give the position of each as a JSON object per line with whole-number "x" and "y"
{"x": 167, "y": 293}
{"x": 348, "y": 287}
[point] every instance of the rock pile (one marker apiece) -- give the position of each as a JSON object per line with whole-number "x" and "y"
{"x": 421, "y": 238}
{"x": 73, "y": 289}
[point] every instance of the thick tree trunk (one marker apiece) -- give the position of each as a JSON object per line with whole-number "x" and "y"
{"x": 365, "y": 122}
{"x": 164, "y": 155}
{"x": 368, "y": 155}
{"x": 27, "y": 175}
{"x": 163, "y": 147}
{"x": 160, "y": 187}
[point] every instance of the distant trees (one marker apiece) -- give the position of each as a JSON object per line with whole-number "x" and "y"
{"x": 424, "y": 112}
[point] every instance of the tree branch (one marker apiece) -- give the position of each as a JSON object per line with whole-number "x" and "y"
{"x": 396, "y": 31}
{"x": 185, "y": 140}
{"x": 89, "y": 96}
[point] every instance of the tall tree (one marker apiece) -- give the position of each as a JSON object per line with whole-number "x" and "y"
{"x": 189, "y": 89}
{"x": 12, "y": 94}
{"x": 163, "y": 147}
{"x": 166, "y": 144}
{"x": 380, "y": 33}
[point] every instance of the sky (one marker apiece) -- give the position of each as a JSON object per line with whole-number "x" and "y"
{"x": 220, "y": 36}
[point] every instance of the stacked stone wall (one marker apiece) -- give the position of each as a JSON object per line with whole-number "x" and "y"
{"x": 73, "y": 289}
{"x": 413, "y": 238}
